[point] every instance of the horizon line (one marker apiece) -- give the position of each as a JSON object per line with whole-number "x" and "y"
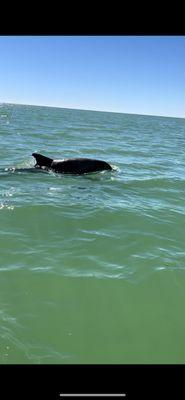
{"x": 85, "y": 109}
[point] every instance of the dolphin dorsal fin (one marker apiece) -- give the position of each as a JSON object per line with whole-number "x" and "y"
{"x": 42, "y": 161}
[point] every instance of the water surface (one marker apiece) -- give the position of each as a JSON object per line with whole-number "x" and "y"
{"x": 92, "y": 267}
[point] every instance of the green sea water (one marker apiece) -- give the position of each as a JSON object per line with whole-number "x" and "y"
{"x": 92, "y": 268}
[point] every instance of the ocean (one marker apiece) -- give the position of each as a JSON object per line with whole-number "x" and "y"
{"x": 92, "y": 267}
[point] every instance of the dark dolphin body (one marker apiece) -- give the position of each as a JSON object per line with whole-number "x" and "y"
{"x": 71, "y": 165}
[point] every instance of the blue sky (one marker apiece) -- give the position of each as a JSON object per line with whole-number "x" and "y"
{"x": 129, "y": 74}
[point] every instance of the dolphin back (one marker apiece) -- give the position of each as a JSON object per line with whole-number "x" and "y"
{"x": 79, "y": 165}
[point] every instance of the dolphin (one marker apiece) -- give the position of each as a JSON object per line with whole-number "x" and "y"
{"x": 70, "y": 165}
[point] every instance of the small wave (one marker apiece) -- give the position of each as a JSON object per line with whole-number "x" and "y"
{"x": 38, "y": 354}
{"x": 3, "y": 115}
{"x": 153, "y": 182}
{"x": 20, "y": 170}
{"x": 4, "y": 206}
{"x": 41, "y": 269}
{"x": 11, "y": 267}
{"x": 115, "y": 168}
{"x": 74, "y": 273}
{"x": 13, "y": 340}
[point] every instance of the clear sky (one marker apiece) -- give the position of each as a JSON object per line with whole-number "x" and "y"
{"x": 129, "y": 74}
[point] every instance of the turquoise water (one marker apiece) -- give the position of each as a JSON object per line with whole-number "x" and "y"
{"x": 92, "y": 267}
